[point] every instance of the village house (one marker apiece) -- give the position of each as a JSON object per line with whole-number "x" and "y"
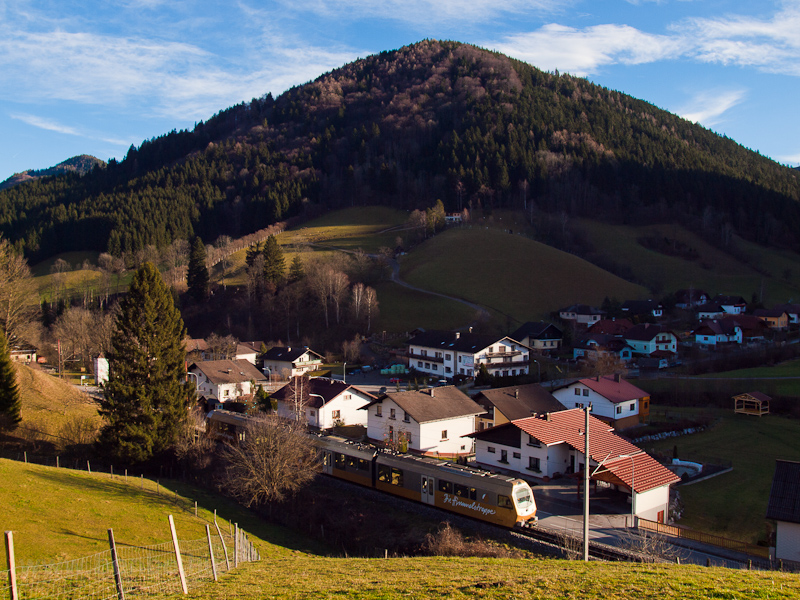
{"x": 23, "y": 354}
{"x": 792, "y": 311}
{"x": 648, "y": 338}
{"x": 553, "y": 444}
{"x": 249, "y": 351}
{"x": 753, "y": 328}
{"x": 775, "y": 318}
{"x": 710, "y": 310}
{"x": 325, "y": 402}
{"x": 613, "y": 399}
{"x": 581, "y": 314}
{"x": 642, "y": 308}
{"x": 612, "y": 327}
{"x": 599, "y": 345}
{"x": 732, "y": 305}
{"x": 514, "y": 402}
{"x": 689, "y": 298}
{"x": 784, "y": 509}
{"x": 226, "y": 380}
{"x": 430, "y": 422}
{"x": 447, "y": 354}
{"x": 717, "y": 332}
{"x": 284, "y": 363}
{"x": 539, "y": 336}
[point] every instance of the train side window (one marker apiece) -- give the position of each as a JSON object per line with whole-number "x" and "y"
{"x": 341, "y": 459}
{"x": 503, "y": 501}
{"x": 363, "y": 464}
{"x": 326, "y": 459}
{"x": 352, "y": 461}
{"x": 445, "y": 486}
{"x": 397, "y": 477}
{"x": 384, "y": 473}
{"x": 473, "y": 494}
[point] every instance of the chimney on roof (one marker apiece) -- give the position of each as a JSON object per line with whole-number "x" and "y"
{"x": 470, "y": 329}
{"x": 289, "y": 349}
{"x": 597, "y": 378}
{"x": 547, "y": 416}
{"x": 458, "y": 334}
{"x": 616, "y": 377}
{"x": 516, "y": 393}
{"x": 432, "y": 392}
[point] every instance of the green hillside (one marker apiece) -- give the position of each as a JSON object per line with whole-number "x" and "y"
{"x": 743, "y": 270}
{"x": 512, "y": 276}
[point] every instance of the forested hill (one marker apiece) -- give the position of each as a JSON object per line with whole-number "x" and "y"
{"x": 77, "y": 164}
{"x": 435, "y": 120}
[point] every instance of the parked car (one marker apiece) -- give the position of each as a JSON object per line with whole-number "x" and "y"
{"x": 395, "y": 380}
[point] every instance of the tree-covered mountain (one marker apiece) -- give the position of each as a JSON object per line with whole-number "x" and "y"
{"x": 77, "y": 164}
{"x": 435, "y": 120}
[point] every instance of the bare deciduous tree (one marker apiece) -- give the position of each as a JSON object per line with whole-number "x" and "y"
{"x": 371, "y": 306}
{"x": 19, "y": 298}
{"x": 274, "y": 461}
{"x": 222, "y": 347}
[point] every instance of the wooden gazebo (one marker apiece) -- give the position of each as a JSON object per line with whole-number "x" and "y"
{"x": 751, "y": 403}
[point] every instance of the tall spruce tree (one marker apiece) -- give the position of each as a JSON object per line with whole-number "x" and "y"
{"x": 197, "y": 274}
{"x": 9, "y": 391}
{"x": 274, "y": 262}
{"x": 146, "y": 397}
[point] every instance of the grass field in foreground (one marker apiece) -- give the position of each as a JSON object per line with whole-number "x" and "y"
{"x": 61, "y": 514}
{"x": 511, "y": 274}
{"x": 734, "y": 504}
{"x": 306, "y": 577}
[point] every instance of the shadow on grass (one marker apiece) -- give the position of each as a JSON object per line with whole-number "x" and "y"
{"x": 228, "y": 511}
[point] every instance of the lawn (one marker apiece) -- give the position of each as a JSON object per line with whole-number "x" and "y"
{"x": 402, "y": 309}
{"x": 734, "y": 504}
{"x": 519, "y": 279}
{"x": 769, "y": 270}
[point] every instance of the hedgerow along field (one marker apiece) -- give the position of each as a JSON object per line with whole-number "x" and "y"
{"x": 515, "y": 277}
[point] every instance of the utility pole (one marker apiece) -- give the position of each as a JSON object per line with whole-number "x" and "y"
{"x": 586, "y": 485}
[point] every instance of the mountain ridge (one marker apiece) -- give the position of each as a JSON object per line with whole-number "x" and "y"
{"x": 434, "y": 120}
{"x": 81, "y": 164}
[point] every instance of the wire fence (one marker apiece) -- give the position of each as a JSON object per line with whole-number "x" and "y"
{"x": 130, "y": 571}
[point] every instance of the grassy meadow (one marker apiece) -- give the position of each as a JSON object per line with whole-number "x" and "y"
{"x": 714, "y": 271}
{"x": 517, "y": 278}
{"x": 402, "y": 309}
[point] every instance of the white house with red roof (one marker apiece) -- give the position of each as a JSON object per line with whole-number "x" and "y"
{"x": 648, "y": 338}
{"x": 554, "y": 443}
{"x": 613, "y": 399}
{"x": 327, "y": 402}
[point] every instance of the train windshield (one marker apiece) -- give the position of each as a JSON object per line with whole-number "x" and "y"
{"x": 523, "y": 498}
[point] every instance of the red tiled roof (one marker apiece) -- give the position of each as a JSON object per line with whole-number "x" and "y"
{"x": 613, "y": 390}
{"x": 632, "y": 466}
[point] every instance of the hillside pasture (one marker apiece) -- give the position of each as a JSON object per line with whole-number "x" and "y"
{"x": 402, "y": 309}
{"x": 515, "y": 277}
{"x": 752, "y": 270}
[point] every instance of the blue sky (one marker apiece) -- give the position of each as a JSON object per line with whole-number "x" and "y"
{"x": 89, "y": 77}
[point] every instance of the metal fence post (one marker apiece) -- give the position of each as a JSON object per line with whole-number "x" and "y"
{"x": 178, "y": 558}
{"x": 12, "y": 565}
{"x": 115, "y": 561}
{"x": 211, "y": 553}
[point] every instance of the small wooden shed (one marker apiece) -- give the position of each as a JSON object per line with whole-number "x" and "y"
{"x": 751, "y": 403}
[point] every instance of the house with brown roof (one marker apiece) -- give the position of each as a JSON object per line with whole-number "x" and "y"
{"x": 613, "y": 327}
{"x": 717, "y": 332}
{"x": 792, "y": 310}
{"x": 514, "y": 402}
{"x": 598, "y": 345}
{"x": 784, "y": 509}
{"x": 554, "y": 444}
{"x": 285, "y": 362}
{"x": 614, "y": 400}
{"x": 688, "y": 298}
{"x": 325, "y": 402}
{"x": 432, "y": 422}
{"x": 647, "y": 338}
{"x": 581, "y": 314}
{"x": 642, "y": 308}
{"x": 539, "y": 336}
{"x": 226, "y": 380}
{"x": 733, "y": 305}
{"x": 775, "y": 318}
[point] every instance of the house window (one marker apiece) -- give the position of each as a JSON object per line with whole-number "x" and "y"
{"x": 447, "y": 357}
{"x": 390, "y": 435}
{"x": 427, "y": 365}
{"x": 391, "y": 413}
{"x": 534, "y": 464}
{"x": 419, "y": 363}
{"x": 619, "y": 410}
{"x": 586, "y": 392}
{"x": 459, "y": 359}
{"x": 435, "y": 367}
{"x": 532, "y": 441}
{"x": 336, "y": 414}
{"x": 503, "y": 456}
{"x": 579, "y": 405}
{"x": 645, "y": 404}
{"x": 633, "y": 406}
{"x": 444, "y": 434}
{"x": 313, "y": 412}
{"x": 491, "y": 449}
{"x": 448, "y": 370}
{"x": 577, "y": 391}
{"x": 406, "y": 418}
{"x": 378, "y": 410}
{"x": 517, "y": 455}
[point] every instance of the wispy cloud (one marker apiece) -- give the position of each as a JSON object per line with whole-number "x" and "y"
{"x": 707, "y": 107}
{"x": 46, "y": 124}
{"x": 790, "y": 159}
{"x": 583, "y": 51}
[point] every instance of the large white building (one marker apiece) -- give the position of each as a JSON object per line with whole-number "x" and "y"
{"x": 325, "y": 402}
{"x": 447, "y": 354}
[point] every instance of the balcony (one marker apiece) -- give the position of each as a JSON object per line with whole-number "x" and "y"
{"x": 428, "y": 358}
{"x": 503, "y": 354}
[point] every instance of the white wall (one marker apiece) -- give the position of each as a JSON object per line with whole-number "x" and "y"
{"x": 348, "y": 403}
{"x": 648, "y": 504}
{"x": 601, "y": 406}
{"x": 787, "y": 541}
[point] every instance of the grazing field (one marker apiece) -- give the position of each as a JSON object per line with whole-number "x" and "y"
{"x": 734, "y": 504}
{"x": 518, "y": 278}
{"x": 309, "y": 577}
{"x": 402, "y": 309}
{"x": 754, "y": 269}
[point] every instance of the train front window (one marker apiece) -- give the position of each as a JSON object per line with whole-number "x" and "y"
{"x": 523, "y": 497}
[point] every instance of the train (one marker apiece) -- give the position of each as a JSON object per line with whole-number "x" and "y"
{"x": 498, "y": 499}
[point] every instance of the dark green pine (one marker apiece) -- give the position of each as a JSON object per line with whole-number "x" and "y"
{"x": 274, "y": 262}
{"x": 146, "y": 397}
{"x": 10, "y": 402}
{"x": 197, "y": 274}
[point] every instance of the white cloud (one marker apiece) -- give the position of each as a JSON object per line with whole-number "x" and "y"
{"x": 707, "y": 107}
{"x": 790, "y": 159}
{"x": 47, "y": 124}
{"x": 583, "y": 51}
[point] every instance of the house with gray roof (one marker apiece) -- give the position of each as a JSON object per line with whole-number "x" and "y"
{"x": 784, "y": 509}
{"x": 226, "y": 380}
{"x": 326, "y": 402}
{"x": 285, "y": 362}
{"x": 431, "y": 422}
{"x": 514, "y": 402}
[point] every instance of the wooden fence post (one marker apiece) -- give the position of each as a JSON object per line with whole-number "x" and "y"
{"x": 224, "y": 547}
{"x": 57, "y": 463}
{"x": 12, "y": 564}
{"x": 211, "y": 553}
{"x": 195, "y": 508}
{"x": 236, "y": 546}
{"x": 26, "y": 456}
{"x": 115, "y": 561}
{"x": 88, "y": 466}
{"x": 178, "y": 555}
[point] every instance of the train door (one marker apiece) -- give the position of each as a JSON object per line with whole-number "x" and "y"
{"x": 427, "y": 490}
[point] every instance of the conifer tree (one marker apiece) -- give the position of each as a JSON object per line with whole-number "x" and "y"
{"x": 274, "y": 262}
{"x": 9, "y": 391}
{"x": 197, "y": 275}
{"x": 296, "y": 270}
{"x": 145, "y": 398}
